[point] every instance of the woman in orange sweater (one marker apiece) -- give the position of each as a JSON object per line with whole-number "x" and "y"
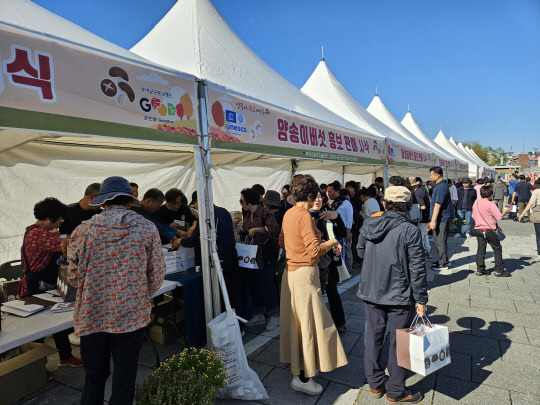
{"x": 309, "y": 340}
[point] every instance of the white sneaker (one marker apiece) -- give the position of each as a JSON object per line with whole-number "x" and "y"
{"x": 74, "y": 340}
{"x": 273, "y": 323}
{"x": 537, "y": 259}
{"x": 311, "y": 387}
{"x": 467, "y": 235}
{"x": 256, "y": 320}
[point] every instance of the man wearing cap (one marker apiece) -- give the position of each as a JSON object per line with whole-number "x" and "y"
{"x": 116, "y": 262}
{"x": 272, "y": 202}
{"x": 393, "y": 283}
{"x": 420, "y": 196}
{"x": 80, "y": 211}
{"x": 441, "y": 216}
{"x": 466, "y": 198}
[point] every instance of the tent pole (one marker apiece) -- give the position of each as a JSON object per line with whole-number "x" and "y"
{"x": 205, "y": 202}
{"x": 343, "y": 175}
{"x": 385, "y": 176}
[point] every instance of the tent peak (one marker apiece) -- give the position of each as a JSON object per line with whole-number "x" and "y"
{"x": 408, "y": 108}
{"x": 322, "y": 53}
{"x": 376, "y": 91}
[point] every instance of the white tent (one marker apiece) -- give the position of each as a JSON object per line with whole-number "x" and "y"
{"x": 474, "y": 169}
{"x": 324, "y": 88}
{"x": 446, "y": 159}
{"x": 192, "y": 37}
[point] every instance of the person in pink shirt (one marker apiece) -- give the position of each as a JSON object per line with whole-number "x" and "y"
{"x": 485, "y": 215}
{"x": 479, "y": 184}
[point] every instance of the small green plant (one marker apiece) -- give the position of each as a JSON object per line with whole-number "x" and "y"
{"x": 191, "y": 377}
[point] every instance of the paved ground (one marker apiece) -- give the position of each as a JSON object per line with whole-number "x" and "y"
{"x": 494, "y": 326}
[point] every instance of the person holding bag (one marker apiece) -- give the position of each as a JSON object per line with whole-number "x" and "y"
{"x": 535, "y": 214}
{"x": 260, "y": 227}
{"x": 309, "y": 340}
{"x": 485, "y": 215}
{"x": 330, "y": 278}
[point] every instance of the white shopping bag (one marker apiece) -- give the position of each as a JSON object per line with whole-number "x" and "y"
{"x": 513, "y": 208}
{"x": 343, "y": 272}
{"x": 242, "y": 381}
{"x": 247, "y": 255}
{"x": 423, "y": 348}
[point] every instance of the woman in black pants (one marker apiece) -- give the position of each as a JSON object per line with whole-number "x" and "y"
{"x": 486, "y": 214}
{"x": 330, "y": 278}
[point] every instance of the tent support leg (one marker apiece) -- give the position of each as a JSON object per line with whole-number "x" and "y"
{"x": 385, "y": 176}
{"x": 204, "y": 197}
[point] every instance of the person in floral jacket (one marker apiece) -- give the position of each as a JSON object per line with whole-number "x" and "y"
{"x": 116, "y": 262}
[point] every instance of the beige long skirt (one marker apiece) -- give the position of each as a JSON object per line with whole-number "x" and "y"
{"x": 309, "y": 339}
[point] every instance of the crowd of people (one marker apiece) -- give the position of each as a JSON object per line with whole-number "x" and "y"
{"x": 113, "y": 242}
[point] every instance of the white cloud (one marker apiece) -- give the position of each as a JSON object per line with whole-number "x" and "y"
{"x": 153, "y": 78}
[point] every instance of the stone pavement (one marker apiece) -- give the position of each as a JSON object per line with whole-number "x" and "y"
{"x": 494, "y": 326}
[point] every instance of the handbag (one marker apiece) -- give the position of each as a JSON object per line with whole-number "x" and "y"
{"x": 499, "y": 232}
{"x": 535, "y": 215}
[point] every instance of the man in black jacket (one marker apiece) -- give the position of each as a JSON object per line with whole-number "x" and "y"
{"x": 466, "y": 198}
{"x": 393, "y": 282}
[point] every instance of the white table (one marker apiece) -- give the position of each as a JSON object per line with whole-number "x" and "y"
{"x": 17, "y": 331}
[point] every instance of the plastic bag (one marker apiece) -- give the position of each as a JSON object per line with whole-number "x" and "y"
{"x": 242, "y": 382}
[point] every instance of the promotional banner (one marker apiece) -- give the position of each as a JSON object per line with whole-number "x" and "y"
{"x": 445, "y": 163}
{"x": 244, "y": 125}
{"x": 44, "y": 85}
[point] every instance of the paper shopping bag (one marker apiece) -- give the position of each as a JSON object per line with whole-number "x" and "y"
{"x": 247, "y": 255}
{"x": 423, "y": 349}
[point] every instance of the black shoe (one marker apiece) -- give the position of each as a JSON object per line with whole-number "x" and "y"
{"x": 407, "y": 397}
{"x": 502, "y": 274}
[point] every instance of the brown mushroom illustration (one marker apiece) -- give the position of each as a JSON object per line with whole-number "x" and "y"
{"x": 128, "y": 90}
{"x": 108, "y": 87}
{"x": 116, "y": 71}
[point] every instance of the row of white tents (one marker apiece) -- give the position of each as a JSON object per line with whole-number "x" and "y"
{"x": 76, "y": 108}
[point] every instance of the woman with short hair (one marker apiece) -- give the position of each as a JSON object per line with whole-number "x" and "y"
{"x": 485, "y": 215}
{"x": 309, "y": 340}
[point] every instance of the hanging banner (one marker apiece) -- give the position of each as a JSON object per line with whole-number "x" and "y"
{"x": 44, "y": 85}
{"x": 445, "y": 163}
{"x": 410, "y": 157}
{"x": 463, "y": 167}
{"x": 240, "y": 124}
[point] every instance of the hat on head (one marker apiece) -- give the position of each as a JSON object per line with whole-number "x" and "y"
{"x": 467, "y": 180}
{"x": 111, "y": 188}
{"x": 413, "y": 181}
{"x": 418, "y": 179}
{"x": 272, "y": 198}
{"x": 397, "y": 194}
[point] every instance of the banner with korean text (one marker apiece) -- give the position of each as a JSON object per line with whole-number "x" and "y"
{"x": 240, "y": 124}
{"x": 51, "y": 86}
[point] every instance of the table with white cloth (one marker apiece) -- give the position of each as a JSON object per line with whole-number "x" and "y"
{"x": 17, "y": 331}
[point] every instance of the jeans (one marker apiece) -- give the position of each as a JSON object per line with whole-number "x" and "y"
{"x": 398, "y": 317}
{"x": 464, "y": 215}
{"x": 537, "y": 231}
{"x": 495, "y": 243}
{"x": 440, "y": 237}
{"x": 96, "y": 352}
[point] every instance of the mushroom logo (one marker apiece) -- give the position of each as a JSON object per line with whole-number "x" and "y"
{"x": 117, "y": 85}
{"x": 255, "y": 132}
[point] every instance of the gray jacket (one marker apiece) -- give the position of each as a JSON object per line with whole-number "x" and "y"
{"x": 394, "y": 268}
{"x": 499, "y": 191}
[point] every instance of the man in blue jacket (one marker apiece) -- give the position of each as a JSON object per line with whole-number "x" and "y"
{"x": 393, "y": 282}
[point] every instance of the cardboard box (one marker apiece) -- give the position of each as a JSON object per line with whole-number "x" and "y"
{"x": 24, "y": 374}
{"x": 66, "y": 290}
{"x": 180, "y": 260}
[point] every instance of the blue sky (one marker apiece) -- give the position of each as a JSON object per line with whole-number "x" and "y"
{"x": 471, "y": 67}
